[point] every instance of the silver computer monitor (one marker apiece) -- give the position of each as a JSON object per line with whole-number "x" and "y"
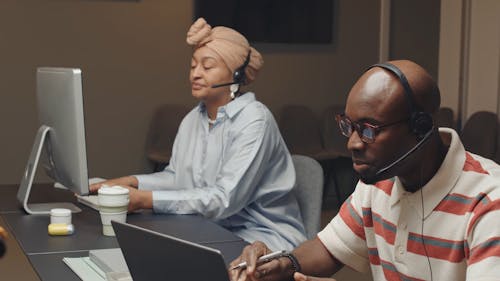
{"x": 60, "y": 138}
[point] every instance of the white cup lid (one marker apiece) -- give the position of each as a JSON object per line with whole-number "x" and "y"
{"x": 113, "y": 190}
{"x": 60, "y": 212}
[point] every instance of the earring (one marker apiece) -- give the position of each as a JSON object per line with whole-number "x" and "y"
{"x": 234, "y": 88}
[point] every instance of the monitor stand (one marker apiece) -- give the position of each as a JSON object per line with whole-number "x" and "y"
{"x": 29, "y": 173}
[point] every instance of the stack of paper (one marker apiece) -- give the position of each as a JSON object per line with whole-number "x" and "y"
{"x": 100, "y": 265}
{"x": 85, "y": 269}
{"x": 109, "y": 260}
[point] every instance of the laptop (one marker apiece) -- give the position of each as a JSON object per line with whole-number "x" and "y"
{"x": 155, "y": 256}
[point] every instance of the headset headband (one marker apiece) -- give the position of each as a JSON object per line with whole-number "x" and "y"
{"x": 402, "y": 78}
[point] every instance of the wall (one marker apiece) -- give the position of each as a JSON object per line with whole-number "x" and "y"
{"x": 450, "y": 53}
{"x": 123, "y": 48}
{"x": 483, "y": 91}
{"x": 469, "y": 56}
{"x": 134, "y": 57}
{"x": 415, "y": 32}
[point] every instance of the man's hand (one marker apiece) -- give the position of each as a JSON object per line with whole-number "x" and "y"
{"x": 301, "y": 277}
{"x": 272, "y": 271}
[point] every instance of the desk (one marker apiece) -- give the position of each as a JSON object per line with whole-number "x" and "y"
{"x": 45, "y": 252}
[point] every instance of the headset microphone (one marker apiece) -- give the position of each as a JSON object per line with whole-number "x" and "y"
{"x": 387, "y": 169}
{"x": 223, "y": 85}
{"x": 420, "y": 124}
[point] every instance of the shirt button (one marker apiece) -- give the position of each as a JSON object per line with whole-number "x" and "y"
{"x": 401, "y": 250}
{"x": 402, "y": 226}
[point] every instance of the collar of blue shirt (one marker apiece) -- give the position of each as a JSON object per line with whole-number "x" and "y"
{"x": 235, "y": 106}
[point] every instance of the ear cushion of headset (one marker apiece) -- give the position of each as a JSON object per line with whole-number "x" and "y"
{"x": 238, "y": 76}
{"x": 421, "y": 123}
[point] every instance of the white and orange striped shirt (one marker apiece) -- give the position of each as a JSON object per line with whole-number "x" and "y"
{"x": 454, "y": 235}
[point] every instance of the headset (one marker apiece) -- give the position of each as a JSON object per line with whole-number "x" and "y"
{"x": 420, "y": 122}
{"x": 421, "y": 125}
{"x": 239, "y": 76}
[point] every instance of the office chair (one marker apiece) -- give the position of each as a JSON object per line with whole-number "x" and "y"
{"x": 334, "y": 142}
{"x": 497, "y": 152}
{"x": 300, "y": 129}
{"x": 339, "y": 174}
{"x": 162, "y": 131}
{"x": 309, "y": 192}
{"x": 444, "y": 118}
{"x": 479, "y": 134}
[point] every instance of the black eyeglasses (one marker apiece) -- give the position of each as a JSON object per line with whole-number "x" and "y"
{"x": 366, "y": 131}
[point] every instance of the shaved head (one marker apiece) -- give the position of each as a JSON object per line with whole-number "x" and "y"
{"x": 425, "y": 90}
{"x": 384, "y": 94}
{"x": 379, "y": 98}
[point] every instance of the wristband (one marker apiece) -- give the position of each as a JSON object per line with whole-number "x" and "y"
{"x": 293, "y": 259}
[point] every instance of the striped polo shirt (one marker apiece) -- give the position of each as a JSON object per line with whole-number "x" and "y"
{"x": 449, "y": 230}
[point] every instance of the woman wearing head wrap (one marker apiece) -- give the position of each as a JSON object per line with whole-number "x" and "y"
{"x": 229, "y": 161}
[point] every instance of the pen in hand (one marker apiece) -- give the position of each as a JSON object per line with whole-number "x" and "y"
{"x": 261, "y": 260}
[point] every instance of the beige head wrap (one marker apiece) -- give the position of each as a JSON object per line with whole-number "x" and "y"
{"x": 231, "y": 46}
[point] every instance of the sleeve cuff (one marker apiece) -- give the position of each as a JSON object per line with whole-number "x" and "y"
{"x": 341, "y": 251}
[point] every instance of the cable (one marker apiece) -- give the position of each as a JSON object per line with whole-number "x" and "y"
{"x": 422, "y": 224}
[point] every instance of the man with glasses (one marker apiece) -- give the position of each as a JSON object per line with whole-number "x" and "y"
{"x": 424, "y": 209}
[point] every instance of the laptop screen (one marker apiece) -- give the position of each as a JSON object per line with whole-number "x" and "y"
{"x": 154, "y": 256}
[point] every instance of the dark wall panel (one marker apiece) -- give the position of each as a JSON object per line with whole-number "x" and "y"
{"x": 415, "y": 32}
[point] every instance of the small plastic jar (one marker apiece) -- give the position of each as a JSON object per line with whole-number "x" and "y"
{"x": 60, "y": 215}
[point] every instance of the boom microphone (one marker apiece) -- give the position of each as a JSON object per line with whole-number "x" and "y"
{"x": 382, "y": 173}
{"x": 224, "y": 84}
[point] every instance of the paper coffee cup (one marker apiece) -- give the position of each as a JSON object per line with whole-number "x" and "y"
{"x": 113, "y": 196}
{"x": 113, "y": 205}
{"x": 106, "y": 218}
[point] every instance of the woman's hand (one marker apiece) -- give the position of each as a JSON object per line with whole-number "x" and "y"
{"x": 271, "y": 271}
{"x": 129, "y": 181}
{"x": 139, "y": 199}
{"x": 301, "y": 277}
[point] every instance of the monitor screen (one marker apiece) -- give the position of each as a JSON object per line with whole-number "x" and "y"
{"x": 61, "y": 136}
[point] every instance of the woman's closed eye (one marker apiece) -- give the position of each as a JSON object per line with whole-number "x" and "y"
{"x": 208, "y": 65}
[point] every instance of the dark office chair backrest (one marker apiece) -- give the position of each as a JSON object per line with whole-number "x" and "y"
{"x": 497, "y": 151}
{"x": 299, "y": 127}
{"x": 162, "y": 131}
{"x": 334, "y": 142}
{"x": 444, "y": 118}
{"x": 479, "y": 134}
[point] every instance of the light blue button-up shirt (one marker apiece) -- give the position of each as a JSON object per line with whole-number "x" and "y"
{"x": 238, "y": 173}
